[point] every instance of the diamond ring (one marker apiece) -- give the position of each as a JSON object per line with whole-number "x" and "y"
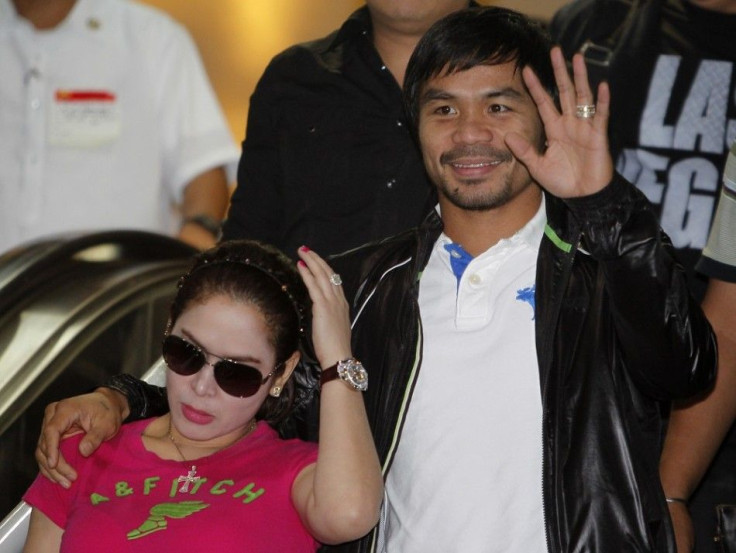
{"x": 585, "y": 111}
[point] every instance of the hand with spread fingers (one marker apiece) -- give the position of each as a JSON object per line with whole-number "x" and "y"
{"x": 577, "y": 161}
{"x": 330, "y": 315}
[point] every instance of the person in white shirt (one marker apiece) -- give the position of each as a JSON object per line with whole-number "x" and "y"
{"x": 107, "y": 120}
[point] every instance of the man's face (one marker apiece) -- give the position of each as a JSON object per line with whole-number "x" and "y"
{"x": 463, "y": 119}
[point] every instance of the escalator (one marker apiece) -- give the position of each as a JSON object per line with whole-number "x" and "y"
{"x": 73, "y": 312}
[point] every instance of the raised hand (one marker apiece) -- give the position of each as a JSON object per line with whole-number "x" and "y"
{"x": 577, "y": 161}
{"x": 330, "y": 313}
{"x": 339, "y": 497}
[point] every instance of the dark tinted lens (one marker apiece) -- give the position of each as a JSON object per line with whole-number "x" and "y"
{"x": 237, "y": 379}
{"x": 181, "y": 356}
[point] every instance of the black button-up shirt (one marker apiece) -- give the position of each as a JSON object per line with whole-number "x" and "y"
{"x": 328, "y": 160}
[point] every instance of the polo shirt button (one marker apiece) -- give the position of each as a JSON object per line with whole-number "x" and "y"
{"x": 390, "y": 184}
{"x": 35, "y": 103}
{"x": 475, "y": 279}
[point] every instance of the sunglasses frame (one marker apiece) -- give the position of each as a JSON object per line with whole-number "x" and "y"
{"x": 223, "y": 364}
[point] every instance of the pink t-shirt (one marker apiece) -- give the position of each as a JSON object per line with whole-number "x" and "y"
{"x": 128, "y": 499}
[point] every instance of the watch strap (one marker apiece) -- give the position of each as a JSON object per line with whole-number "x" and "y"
{"x": 328, "y": 374}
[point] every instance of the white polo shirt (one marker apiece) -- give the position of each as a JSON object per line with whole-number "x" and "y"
{"x": 467, "y": 475}
{"x": 103, "y": 121}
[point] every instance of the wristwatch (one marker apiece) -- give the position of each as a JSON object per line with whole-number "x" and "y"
{"x": 350, "y": 371}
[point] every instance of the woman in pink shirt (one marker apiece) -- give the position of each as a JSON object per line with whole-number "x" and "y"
{"x": 213, "y": 472}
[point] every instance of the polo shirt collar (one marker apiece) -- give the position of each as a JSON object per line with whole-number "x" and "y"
{"x": 531, "y": 233}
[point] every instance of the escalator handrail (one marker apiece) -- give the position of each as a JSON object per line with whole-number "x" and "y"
{"x": 136, "y": 281}
{"x": 26, "y": 272}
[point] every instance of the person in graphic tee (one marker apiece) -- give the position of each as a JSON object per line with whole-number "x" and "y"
{"x": 671, "y": 67}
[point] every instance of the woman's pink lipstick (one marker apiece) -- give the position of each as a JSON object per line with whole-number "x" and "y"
{"x": 194, "y": 415}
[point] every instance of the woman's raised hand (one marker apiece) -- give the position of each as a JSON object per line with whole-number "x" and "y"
{"x": 330, "y": 314}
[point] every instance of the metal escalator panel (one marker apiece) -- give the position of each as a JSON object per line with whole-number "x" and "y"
{"x": 95, "y": 311}
{"x": 14, "y": 528}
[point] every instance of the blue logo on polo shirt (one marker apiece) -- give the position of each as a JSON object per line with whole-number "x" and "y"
{"x": 527, "y": 295}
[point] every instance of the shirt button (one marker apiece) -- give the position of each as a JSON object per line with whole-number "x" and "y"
{"x": 474, "y": 279}
{"x": 399, "y": 124}
{"x": 35, "y": 103}
{"x": 383, "y": 68}
{"x": 390, "y": 184}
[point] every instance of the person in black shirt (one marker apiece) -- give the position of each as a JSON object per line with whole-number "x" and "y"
{"x": 328, "y": 159}
{"x": 671, "y": 66}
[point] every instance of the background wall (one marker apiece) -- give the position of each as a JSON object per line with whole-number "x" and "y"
{"x": 237, "y": 38}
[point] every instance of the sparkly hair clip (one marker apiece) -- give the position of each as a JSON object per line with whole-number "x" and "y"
{"x": 298, "y": 307}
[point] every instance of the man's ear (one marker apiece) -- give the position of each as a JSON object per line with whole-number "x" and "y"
{"x": 289, "y": 366}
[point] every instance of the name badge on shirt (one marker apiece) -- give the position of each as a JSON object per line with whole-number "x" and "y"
{"x": 84, "y": 118}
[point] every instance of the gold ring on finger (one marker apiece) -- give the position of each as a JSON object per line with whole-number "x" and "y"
{"x": 585, "y": 111}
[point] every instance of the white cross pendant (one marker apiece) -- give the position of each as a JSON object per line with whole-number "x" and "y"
{"x": 188, "y": 479}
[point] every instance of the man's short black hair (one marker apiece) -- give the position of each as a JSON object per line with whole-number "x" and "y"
{"x": 472, "y": 37}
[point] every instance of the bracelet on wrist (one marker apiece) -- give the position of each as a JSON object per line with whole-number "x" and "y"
{"x": 676, "y": 500}
{"x": 208, "y": 223}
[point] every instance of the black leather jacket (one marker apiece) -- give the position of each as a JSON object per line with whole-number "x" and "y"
{"x": 617, "y": 333}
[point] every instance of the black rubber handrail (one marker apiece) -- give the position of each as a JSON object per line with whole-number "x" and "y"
{"x": 23, "y": 268}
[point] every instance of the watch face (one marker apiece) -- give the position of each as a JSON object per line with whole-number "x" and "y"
{"x": 353, "y": 372}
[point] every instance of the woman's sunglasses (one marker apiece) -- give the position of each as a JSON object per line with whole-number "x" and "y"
{"x": 235, "y": 379}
